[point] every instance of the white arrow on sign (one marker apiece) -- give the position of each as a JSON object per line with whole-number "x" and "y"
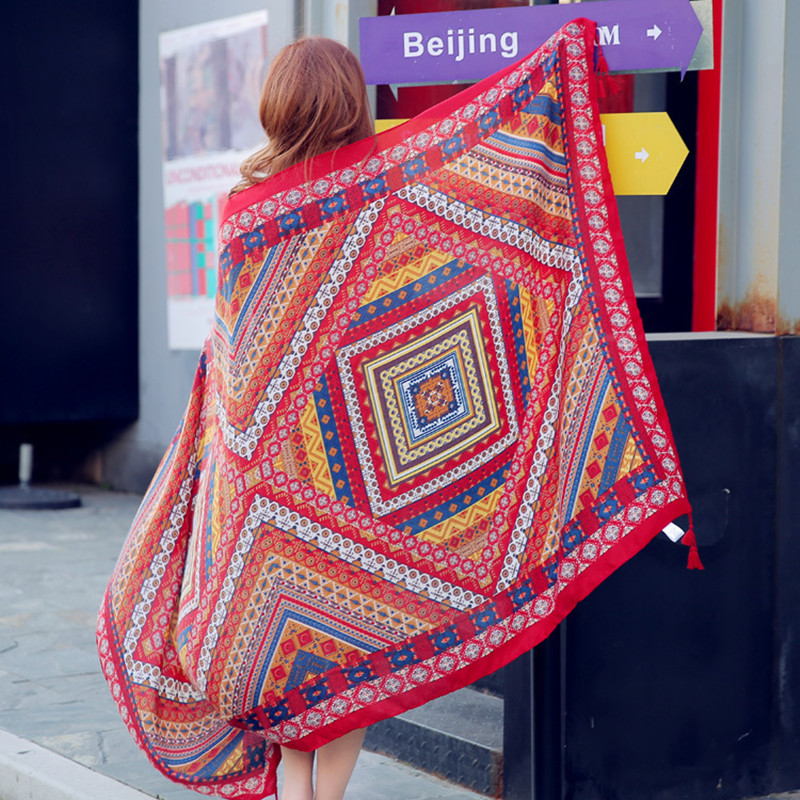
{"x": 657, "y": 149}
{"x": 655, "y": 32}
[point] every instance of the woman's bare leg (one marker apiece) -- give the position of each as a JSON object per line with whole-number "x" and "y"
{"x": 335, "y": 763}
{"x": 297, "y": 766}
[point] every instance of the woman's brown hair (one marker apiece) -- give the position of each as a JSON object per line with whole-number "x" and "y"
{"x": 314, "y": 100}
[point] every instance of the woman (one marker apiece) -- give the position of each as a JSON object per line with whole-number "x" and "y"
{"x": 423, "y": 427}
{"x": 314, "y": 101}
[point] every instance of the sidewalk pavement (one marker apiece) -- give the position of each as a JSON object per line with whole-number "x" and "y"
{"x": 61, "y": 737}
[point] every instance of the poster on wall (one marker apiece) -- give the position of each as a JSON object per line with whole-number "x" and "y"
{"x": 211, "y": 76}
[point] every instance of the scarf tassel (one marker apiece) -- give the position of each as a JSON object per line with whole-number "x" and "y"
{"x": 694, "y": 556}
{"x": 607, "y": 84}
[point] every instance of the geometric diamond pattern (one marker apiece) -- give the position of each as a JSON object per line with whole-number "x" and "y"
{"x": 419, "y": 428}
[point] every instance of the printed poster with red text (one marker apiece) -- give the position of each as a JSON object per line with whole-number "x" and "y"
{"x": 211, "y": 76}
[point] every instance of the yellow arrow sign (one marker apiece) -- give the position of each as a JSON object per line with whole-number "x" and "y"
{"x": 645, "y": 151}
{"x": 382, "y": 125}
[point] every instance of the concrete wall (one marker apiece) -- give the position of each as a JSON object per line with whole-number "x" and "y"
{"x": 165, "y": 375}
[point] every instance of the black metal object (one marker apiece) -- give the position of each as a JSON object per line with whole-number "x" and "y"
{"x": 519, "y": 724}
{"x": 493, "y": 683}
{"x": 680, "y": 684}
{"x": 68, "y": 305}
{"x": 533, "y": 734}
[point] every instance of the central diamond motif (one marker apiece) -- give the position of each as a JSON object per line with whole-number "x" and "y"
{"x": 434, "y": 397}
{"x": 428, "y": 398}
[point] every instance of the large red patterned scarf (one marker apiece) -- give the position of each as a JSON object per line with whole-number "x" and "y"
{"x": 424, "y": 427}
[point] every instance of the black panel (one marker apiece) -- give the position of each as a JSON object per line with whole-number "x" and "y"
{"x": 518, "y": 723}
{"x": 669, "y": 671}
{"x": 786, "y": 764}
{"x": 69, "y": 297}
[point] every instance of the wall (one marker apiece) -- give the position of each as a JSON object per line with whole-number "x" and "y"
{"x": 67, "y": 304}
{"x": 759, "y": 240}
{"x": 165, "y": 375}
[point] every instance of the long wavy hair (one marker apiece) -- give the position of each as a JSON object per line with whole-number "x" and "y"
{"x": 314, "y": 100}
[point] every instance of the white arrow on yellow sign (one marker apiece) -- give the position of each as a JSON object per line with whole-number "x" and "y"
{"x": 645, "y": 151}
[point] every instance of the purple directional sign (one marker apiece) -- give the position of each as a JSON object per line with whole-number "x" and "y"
{"x": 469, "y": 45}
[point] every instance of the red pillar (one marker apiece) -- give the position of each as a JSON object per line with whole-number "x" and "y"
{"x": 704, "y": 303}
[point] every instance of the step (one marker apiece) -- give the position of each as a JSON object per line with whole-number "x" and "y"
{"x": 458, "y": 737}
{"x": 30, "y": 771}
